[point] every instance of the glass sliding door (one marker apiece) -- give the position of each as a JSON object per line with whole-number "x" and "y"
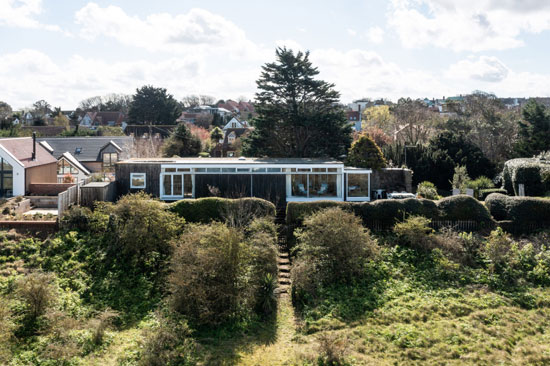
{"x": 175, "y": 186}
{"x": 358, "y": 187}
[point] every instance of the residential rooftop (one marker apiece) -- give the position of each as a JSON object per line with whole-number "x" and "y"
{"x": 240, "y": 160}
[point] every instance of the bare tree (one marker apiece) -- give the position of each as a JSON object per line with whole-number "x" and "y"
{"x": 204, "y": 120}
{"x": 207, "y": 100}
{"x": 190, "y": 101}
{"x": 148, "y": 147}
{"x": 414, "y": 122}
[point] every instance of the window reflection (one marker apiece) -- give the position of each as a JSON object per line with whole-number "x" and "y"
{"x": 358, "y": 185}
{"x": 299, "y": 185}
{"x": 322, "y": 185}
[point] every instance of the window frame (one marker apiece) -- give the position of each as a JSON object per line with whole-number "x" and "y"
{"x": 132, "y": 175}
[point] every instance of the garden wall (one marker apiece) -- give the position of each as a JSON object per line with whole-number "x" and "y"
{"x": 48, "y": 189}
{"x": 392, "y": 179}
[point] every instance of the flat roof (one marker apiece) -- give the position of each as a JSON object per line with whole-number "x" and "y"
{"x": 241, "y": 160}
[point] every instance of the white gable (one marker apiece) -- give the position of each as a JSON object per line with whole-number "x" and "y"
{"x": 234, "y": 123}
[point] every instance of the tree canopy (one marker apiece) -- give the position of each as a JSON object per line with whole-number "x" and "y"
{"x": 364, "y": 153}
{"x": 182, "y": 143}
{"x": 298, "y": 115}
{"x": 153, "y": 106}
{"x": 534, "y": 131}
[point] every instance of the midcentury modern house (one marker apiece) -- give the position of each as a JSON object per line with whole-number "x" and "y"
{"x": 278, "y": 180}
{"x": 95, "y": 154}
{"x": 24, "y": 162}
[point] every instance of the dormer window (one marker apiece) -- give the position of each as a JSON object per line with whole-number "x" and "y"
{"x": 78, "y": 150}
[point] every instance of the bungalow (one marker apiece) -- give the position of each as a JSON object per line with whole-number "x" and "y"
{"x": 94, "y": 119}
{"x": 278, "y": 180}
{"x": 24, "y": 162}
{"x": 94, "y": 154}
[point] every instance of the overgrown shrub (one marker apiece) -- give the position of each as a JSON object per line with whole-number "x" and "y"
{"x": 332, "y": 349}
{"x": 334, "y": 247}
{"x": 169, "y": 343}
{"x": 6, "y": 331}
{"x": 218, "y": 273}
{"x": 460, "y": 178}
{"x": 76, "y": 218}
{"x": 427, "y": 190}
{"x": 207, "y": 209}
{"x": 415, "y": 232}
{"x": 141, "y": 225}
{"x": 37, "y": 290}
{"x": 100, "y": 324}
{"x": 389, "y": 212}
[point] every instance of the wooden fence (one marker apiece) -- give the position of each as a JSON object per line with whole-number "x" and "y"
{"x": 71, "y": 196}
{"x": 458, "y": 225}
{"x": 99, "y": 191}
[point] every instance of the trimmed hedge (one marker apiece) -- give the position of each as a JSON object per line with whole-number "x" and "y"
{"x": 527, "y": 171}
{"x": 385, "y": 213}
{"x": 485, "y": 192}
{"x": 524, "y": 213}
{"x": 464, "y": 208}
{"x": 389, "y": 212}
{"x": 205, "y": 210}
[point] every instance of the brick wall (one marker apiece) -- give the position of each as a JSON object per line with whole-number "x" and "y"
{"x": 48, "y": 189}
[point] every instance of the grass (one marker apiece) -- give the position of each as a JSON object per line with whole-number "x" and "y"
{"x": 414, "y": 309}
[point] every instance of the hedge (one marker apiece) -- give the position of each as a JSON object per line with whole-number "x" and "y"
{"x": 385, "y": 213}
{"x": 527, "y": 171}
{"x": 524, "y": 213}
{"x": 485, "y": 192}
{"x": 205, "y": 210}
{"x": 465, "y": 208}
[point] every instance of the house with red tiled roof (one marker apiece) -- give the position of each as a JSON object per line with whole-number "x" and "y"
{"x": 95, "y": 119}
{"x": 24, "y": 162}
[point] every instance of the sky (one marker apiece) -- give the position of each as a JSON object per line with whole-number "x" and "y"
{"x": 66, "y": 51}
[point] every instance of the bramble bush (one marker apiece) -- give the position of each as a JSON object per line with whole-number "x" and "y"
{"x": 333, "y": 248}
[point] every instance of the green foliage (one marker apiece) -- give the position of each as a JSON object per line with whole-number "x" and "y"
{"x": 436, "y": 162}
{"x": 415, "y": 232}
{"x": 142, "y": 225}
{"x": 169, "y": 343}
{"x": 333, "y": 248}
{"x": 484, "y": 193}
{"x": 534, "y": 130}
{"x": 182, "y": 143}
{"x": 207, "y": 209}
{"x": 427, "y": 190}
{"x": 217, "y": 275}
{"x": 530, "y": 172}
{"x": 460, "y": 178}
{"x": 298, "y": 115}
{"x": 465, "y": 208}
{"x": 216, "y": 134}
{"x": 524, "y": 213}
{"x": 364, "y": 153}
{"x": 154, "y": 106}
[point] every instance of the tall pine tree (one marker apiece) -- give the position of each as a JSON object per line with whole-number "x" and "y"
{"x": 298, "y": 115}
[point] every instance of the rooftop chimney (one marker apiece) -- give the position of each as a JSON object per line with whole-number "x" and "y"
{"x": 33, "y": 146}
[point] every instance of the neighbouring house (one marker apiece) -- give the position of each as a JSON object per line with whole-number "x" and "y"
{"x": 354, "y": 119}
{"x": 278, "y": 180}
{"x": 96, "y": 119}
{"x": 235, "y": 123}
{"x": 94, "y": 153}
{"x": 145, "y": 131}
{"x": 240, "y": 108}
{"x": 226, "y": 147}
{"x": 23, "y": 162}
{"x": 69, "y": 166}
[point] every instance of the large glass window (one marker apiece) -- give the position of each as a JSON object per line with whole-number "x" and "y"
{"x": 63, "y": 167}
{"x": 109, "y": 160}
{"x": 6, "y": 179}
{"x": 299, "y": 185}
{"x": 188, "y": 186}
{"x": 358, "y": 185}
{"x": 322, "y": 185}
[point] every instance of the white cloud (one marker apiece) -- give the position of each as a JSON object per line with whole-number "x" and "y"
{"x": 30, "y": 75}
{"x": 375, "y": 35}
{"x": 351, "y": 32}
{"x": 290, "y": 44}
{"x": 22, "y": 13}
{"x": 358, "y": 73}
{"x": 467, "y": 25}
{"x": 196, "y": 31}
{"x": 484, "y": 68}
